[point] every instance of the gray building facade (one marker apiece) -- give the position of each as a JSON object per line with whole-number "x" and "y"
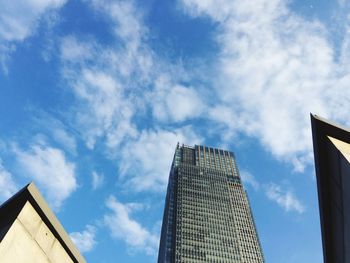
{"x": 207, "y": 215}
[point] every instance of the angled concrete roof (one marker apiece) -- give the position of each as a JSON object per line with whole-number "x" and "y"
{"x": 13, "y": 206}
{"x": 332, "y": 154}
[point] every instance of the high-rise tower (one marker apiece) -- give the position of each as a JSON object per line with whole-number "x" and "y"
{"x": 207, "y": 216}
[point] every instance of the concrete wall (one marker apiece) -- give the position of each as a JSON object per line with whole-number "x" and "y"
{"x": 30, "y": 240}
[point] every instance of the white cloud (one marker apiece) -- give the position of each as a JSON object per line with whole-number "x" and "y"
{"x": 85, "y": 240}
{"x": 124, "y": 82}
{"x": 105, "y": 112}
{"x": 147, "y": 159}
{"x": 97, "y": 180}
{"x": 73, "y": 50}
{"x": 124, "y": 227}
{"x": 173, "y": 102}
{"x": 134, "y": 58}
{"x": 65, "y": 139}
{"x": 248, "y": 178}
{"x": 127, "y": 21}
{"x": 284, "y": 198}
{"x": 56, "y": 129}
{"x": 107, "y": 91}
{"x": 7, "y": 185}
{"x": 274, "y": 68}
{"x": 50, "y": 170}
{"x": 19, "y": 20}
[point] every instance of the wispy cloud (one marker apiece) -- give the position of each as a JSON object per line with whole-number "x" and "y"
{"x": 284, "y": 198}
{"x": 85, "y": 240}
{"x": 19, "y": 21}
{"x": 97, "y": 180}
{"x": 72, "y": 50}
{"x": 7, "y": 185}
{"x": 105, "y": 113}
{"x": 249, "y": 179}
{"x": 172, "y": 102}
{"x": 124, "y": 227}
{"x": 55, "y": 129}
{"x": 48, "y": 167}
{"x": 146, "y": 161}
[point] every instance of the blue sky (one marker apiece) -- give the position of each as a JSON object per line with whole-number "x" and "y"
{"x": 94, "y": 96}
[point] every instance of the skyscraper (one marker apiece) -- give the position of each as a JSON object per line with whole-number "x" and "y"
{"x": 207, "y": 216}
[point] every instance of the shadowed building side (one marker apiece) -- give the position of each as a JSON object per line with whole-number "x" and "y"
{"x": 30, "y": 232}
{"x": 332, "y": 155}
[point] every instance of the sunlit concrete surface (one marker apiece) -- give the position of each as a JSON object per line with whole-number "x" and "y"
{"x": 30, "y": 232}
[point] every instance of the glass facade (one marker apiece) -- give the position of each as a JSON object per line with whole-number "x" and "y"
{"x": 207, "y": 216}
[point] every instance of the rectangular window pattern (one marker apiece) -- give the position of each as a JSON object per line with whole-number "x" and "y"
{"x": 207, "y": 215}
